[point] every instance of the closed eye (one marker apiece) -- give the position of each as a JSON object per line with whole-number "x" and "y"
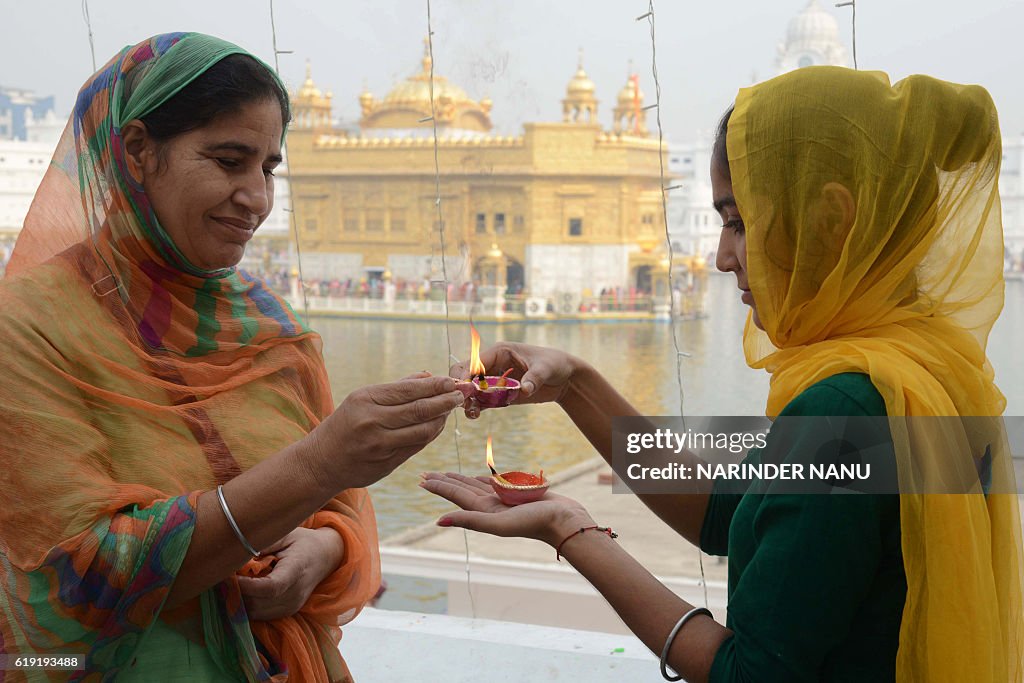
{"x": 227, "y": 162}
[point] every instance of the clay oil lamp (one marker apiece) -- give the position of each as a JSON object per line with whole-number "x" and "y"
{"x": 516, "y": 488}
{"x": 490, "y": 391}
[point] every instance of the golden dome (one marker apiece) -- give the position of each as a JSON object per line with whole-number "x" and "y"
{"x": 309, "y": 91}
{"x": 630, "y": 91}
{"x": 416, "y": 89}
{"x": 366, "y": 101}
{"x": 580, "y": 103}
{"x": 406, "y": 105}
{"x": 647, "y": 242}
{"x": 311, "y": 108}
{"x": 580, "y": 85}
{"x": 629, "y": 115}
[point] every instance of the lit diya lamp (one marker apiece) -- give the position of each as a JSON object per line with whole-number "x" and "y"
{"x": 516, "y": 488}
{"x": 490, "y": 391}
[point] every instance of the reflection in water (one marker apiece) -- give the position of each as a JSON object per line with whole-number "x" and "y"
{"x": 638, "y": 359}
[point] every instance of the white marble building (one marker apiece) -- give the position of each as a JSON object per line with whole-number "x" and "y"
{"x": 1011, "y": 192}
{"x": 812, "y": 39}
{"x": 22, "y": 165}
{"x": 693, "y": 223}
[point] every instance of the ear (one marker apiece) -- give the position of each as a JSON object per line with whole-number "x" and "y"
{"x": 139, "y": 149}
{"x": 840, "y": 208}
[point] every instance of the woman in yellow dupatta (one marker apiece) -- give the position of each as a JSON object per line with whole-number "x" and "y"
{"x": 874, "y": 245}
{"x": 862, "y": 223}
{"x": 164, "y": 417}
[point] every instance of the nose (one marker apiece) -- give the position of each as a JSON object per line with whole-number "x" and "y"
{"x": 255, "y": 193}
{"x": 725, "y": 259}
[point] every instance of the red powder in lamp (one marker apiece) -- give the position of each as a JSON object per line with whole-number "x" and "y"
{"x": 522, "y": 478}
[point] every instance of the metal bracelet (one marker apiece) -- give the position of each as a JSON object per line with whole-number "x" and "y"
{"x": 234, "y": 525}
{"x": 672, "y": 636}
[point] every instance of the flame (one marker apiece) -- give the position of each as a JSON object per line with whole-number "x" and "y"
{"x": 490, "y": 463}
{"x": 475, "y": 366}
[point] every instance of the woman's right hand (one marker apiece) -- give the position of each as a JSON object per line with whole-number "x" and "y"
{"x": 544, "y": 373}
{"x": 377, "y": 428}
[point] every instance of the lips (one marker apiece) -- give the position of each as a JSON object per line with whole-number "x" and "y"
{"x": 237, "y": 226}
{"x": 239, "y": 223}
{"x": 746, "y": 297}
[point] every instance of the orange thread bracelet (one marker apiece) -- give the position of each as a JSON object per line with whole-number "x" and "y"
{"x": 602, "y": 529}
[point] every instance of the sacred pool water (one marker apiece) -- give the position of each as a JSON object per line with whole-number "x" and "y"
{"x": 638, "y": 358}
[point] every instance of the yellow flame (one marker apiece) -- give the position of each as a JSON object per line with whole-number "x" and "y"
{"x": 490, "y": 463}
{"x": 475, "y": 366}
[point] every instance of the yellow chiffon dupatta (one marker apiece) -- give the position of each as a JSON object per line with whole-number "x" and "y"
{"x": 874, "y": 245}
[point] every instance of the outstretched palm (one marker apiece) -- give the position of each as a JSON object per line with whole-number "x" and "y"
{"x": 483, "y": 511}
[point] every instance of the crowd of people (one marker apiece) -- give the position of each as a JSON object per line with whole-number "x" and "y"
{"x": 688, "y": 299}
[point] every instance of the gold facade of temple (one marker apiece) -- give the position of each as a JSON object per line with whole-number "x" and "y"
{"x": 368, "y": 199}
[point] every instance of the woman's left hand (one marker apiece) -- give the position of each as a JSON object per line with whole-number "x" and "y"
{"x": 548, "y": 519}
{"x": 305, "y": 557}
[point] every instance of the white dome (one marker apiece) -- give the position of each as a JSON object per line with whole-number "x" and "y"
{"x": 813, "y": 26}
{"x": 813, "y": 38}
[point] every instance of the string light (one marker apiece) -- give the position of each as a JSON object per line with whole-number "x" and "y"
{"x": 288, "y": 179}
{"x": 852, "y": 4}
{"x": 680, "y": 354}
{"x": 444, "y": 271}
{"x": 88, "y": 26}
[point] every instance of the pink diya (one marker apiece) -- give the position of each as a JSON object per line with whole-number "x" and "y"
{"x": 490, "y": 391}
{"x": 516, "y": 488}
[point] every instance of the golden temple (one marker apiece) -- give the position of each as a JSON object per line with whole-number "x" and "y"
{"x": 564, "y": 208}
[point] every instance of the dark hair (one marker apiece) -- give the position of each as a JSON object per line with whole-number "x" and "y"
{"x": 224, "y": 88}
{"x": 719, "y": 151}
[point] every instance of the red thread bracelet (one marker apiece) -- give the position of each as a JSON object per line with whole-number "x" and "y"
{"x": 602, "y": 529}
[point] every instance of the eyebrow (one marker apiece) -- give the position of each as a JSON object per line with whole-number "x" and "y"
{"x": 242, "y": 148}
{"x": 725, "y": 202}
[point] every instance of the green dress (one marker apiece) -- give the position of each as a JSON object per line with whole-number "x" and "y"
{"x": 167, "y": 656}
{"x": 816, "y": 582}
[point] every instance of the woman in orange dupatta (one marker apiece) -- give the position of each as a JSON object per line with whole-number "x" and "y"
{"x": 164, "y": 417}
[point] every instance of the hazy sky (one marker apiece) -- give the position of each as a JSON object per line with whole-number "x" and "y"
{"x": 521, "y": 53}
